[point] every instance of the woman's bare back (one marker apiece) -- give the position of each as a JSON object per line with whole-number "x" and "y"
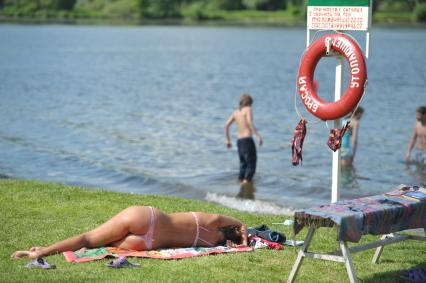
{"x": 170, "y": 230}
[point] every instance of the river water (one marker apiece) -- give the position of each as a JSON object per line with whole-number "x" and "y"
{"x": 141, "y": 109}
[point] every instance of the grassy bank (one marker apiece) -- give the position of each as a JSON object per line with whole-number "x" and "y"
{"x": 35, "y": 213}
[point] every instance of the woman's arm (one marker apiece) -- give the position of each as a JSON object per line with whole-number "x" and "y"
{"x": 243, "y": 230}
{"x": 225, "y": 221}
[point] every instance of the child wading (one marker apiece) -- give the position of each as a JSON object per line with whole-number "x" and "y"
{"x": 418, "y": 138}
{"x": 243, "y": 117}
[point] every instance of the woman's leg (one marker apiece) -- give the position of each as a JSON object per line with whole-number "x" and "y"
{"x": 132, "y": 219}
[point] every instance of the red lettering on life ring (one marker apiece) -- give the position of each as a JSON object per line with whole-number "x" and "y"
{"x": 346, "y": 46}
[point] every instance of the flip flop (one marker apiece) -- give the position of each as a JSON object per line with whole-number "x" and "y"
{"x": 121, "y": 262}
{"x": 414, "y": 275}
{"x": 40, "y": 263}
{"x": 293, "y": 243}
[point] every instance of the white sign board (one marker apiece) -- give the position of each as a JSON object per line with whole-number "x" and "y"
{"x": 338, "y": 18}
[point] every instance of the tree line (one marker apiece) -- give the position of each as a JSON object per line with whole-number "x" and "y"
{"x": 179, "y": 9}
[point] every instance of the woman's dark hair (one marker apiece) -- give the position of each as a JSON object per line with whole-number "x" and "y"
{"x": 232, "y": 233}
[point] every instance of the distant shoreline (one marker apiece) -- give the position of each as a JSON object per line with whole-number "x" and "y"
{"x": 379, "y": 21}
{"x": 145, "y": 22}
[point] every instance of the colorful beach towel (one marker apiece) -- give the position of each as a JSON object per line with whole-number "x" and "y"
{"x": 84, "y": 254}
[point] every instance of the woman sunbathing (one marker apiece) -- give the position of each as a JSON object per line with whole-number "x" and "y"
{"x": 147, "y": 228}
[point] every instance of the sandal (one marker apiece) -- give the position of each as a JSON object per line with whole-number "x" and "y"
{"x": 40, "y": 263}
{"x": 121, "y": 262}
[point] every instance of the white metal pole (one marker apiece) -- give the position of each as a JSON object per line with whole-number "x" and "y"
{"x": 308, "y": 37}
{"x": 335, "y": 179}
{"x": 367, "y": 44}
{"x": 367, "y": 34}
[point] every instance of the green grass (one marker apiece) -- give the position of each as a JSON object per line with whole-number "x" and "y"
{"x": 35, "y": 213}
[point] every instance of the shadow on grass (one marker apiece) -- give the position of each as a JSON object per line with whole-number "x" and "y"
{"x": 2, "y": 176}
{"x": 391, "y": 276}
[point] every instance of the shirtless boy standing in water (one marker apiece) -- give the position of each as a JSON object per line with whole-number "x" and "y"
{"x": 419, "y": 135}
{"x": 243, "y": 117}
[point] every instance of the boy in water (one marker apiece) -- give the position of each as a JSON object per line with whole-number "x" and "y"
{"x": 243, "y": 117}
{"x": 419, "y": 136}
{"x": 350, "y": 140}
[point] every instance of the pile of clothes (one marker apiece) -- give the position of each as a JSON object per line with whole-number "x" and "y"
{"x": 263, "y": 237}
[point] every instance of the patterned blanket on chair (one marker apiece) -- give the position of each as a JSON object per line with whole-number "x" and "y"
{"x": 401, "y": 209}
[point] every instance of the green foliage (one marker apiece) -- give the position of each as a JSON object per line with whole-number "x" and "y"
{"x": 125, "y": 9}
{"x": 89, "y": 8}
{"x": 196, "y": 10}
{"x": 227, "y": 5}
{"x": 159, "y": 8}
{"x": 90, "y": 5}
{"x": 38, "y": 8}
{"x": 396, "y": 5}
{"x": 420, "y": 12}
{"x": 122, "y": 9}
{"x": 265, "y": 5}
{"x": 67, "y": 5}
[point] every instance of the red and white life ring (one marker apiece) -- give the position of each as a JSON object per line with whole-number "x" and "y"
{"x": 346, "y": 46}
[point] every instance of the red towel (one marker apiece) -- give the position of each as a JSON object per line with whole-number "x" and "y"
{"x": 258, "y": 242}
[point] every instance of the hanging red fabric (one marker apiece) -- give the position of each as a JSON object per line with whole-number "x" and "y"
{"x": 335, "y": 140}
{"x": 297, "y": 142}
